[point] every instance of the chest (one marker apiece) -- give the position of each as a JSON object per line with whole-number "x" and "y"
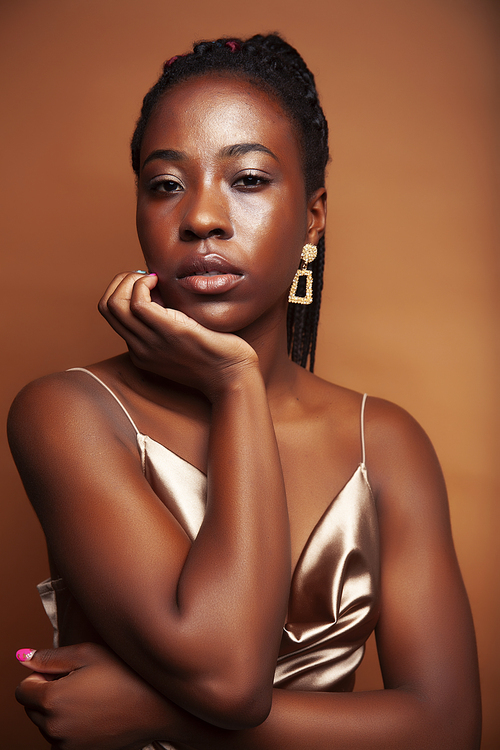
{"x": 319, "y": 454}
{"x": 316, "y": 465}
{"x": 314, "y": 475}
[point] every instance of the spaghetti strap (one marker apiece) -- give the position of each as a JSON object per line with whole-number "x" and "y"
{"x": 365, "y": 395}
{"x": 83, "y": 369}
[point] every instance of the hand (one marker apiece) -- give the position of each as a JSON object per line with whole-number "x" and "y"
{"x": 169, "y": 343}
{"x": 84, "y": 698}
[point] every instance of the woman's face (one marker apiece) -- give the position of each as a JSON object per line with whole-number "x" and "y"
{"x": 222, "y": 213}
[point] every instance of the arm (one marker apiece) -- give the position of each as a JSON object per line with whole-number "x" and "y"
{"x": 425, "y": 636}
{"x": 192, "y": 617}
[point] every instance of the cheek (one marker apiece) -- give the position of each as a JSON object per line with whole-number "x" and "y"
{"x": 280, "y": 225}
{"x": 152, "y": 231}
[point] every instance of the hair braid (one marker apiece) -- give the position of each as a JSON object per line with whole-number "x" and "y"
{"x": 274, "y": 66}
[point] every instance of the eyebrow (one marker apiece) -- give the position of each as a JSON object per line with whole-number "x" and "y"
{"x": 237, "y": 149}
{"x": 240, "y": 149}
{"x": 165, "y": 154}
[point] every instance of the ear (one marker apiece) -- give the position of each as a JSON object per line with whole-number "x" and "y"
{"x": 316, "y": 216}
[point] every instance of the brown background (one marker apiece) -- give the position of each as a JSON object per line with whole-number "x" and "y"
{"x": 411, "y": 303}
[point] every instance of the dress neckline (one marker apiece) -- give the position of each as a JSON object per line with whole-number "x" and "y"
{"x": 142, "y": 437}
{"x": 360, "y": 469}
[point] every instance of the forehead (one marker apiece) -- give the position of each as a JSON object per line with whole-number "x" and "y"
{"x": 216, "y": 110}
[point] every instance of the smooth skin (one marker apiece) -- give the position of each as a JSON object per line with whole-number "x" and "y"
{"x": 192, "y": 662}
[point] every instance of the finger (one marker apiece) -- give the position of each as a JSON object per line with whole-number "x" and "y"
{"x": 130, "y": 337}
{"x": 31, "y": 691}
{"x": 115, "y": 304}
{"x": 59, "y": 660}
{"x": 129, "y": 279}
{"x": 155, "y": 316}
{"x": 39, "y": 719}
{"x": 112, "y": 286}
{"x": 121, "y": 287}
{"x": 119, "y": 278}
{"x": 25, "y": 655}
{"x": 115, "y": 308}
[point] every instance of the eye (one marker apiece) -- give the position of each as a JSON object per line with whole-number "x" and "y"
{"x": 251, "y": 180}
{"x": 163, "y": 184}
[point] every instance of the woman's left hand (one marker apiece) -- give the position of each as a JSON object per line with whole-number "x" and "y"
{"x": 84, "y": 698}
{"x": 168, "y": 343}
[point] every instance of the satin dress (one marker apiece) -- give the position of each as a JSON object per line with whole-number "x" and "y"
{"x": 334, "y": 594}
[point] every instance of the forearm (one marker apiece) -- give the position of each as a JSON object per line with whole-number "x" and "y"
{"x": 379, "y": 720}
{"x": 99, "y": 702}
{"x": 237, "y": 573}
{"x": 239, "y": 563}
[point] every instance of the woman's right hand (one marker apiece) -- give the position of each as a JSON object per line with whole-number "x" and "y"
{"x": 84, "y": 697}
{"x": 169, "y": 343}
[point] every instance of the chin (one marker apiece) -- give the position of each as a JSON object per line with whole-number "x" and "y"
{"x": 222, "y": 317}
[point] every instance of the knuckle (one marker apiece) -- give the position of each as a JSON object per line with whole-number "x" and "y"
{"x": 181, "y": 319}
{"x": 137, "y": 306}
{"x": 112, "y": 304}
{"x": 102, "y": 306}
{"x": 119, "y": 278}
{"x": 19, "y": 694}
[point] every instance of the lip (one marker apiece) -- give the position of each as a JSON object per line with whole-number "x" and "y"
{"x": 208, "y": 274}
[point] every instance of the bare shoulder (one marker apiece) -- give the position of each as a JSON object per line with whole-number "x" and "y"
{"x": 394, "y": 439}
{"x": 402, "y": 465}
{"x": 60, "y": 407}
{"x": 42, "y": 400}
{"x": 383, "y": 418}
{"x": 405, "y": 474}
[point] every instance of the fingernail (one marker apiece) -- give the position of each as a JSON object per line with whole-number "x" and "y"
{"x": 25, "y": 654}
{"x": 139, "y": 271}
{"x": 152, "y": 274}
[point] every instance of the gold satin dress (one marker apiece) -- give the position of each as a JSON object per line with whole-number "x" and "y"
{"x": 334, "y": 594}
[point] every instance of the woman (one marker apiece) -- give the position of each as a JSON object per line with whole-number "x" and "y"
{"x": 180, "y": 485}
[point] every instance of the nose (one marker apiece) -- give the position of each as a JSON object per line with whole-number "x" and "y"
{"x": 206, "y": 215}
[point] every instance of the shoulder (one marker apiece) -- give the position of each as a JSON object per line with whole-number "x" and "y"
{"x": 402, "y": 465}
{"x": 389, "y": 429}
{"x": 45, "y": 396}
{"x": 395, "y": 440}
{"x": 405, "y": 474}
{"x": 62, "y": 406}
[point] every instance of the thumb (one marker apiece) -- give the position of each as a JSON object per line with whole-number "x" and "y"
{"x": 55, "y": 660}
{"x": 25, "y": 655}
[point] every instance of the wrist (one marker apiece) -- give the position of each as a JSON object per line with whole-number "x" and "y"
{"x": 234, "y": 379}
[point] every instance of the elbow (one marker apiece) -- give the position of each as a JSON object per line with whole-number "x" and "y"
{"x": 250, "y": 710}
{"x": 230, "y": 690}
{"x": 236, "y": 704}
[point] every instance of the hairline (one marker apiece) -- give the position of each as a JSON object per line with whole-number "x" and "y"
{"x": 260, "y": 84}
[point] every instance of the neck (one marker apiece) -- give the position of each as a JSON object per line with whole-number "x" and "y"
{"x": 268, "y": 337}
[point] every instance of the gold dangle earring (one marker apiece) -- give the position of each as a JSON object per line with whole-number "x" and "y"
{"x": 309, "y": 252}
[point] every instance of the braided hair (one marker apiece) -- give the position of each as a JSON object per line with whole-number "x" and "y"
{"x": 275, "y": 67}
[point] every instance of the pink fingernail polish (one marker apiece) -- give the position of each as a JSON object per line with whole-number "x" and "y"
{"x": 25, "y": 654}
{"x": 153, "y": 274}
